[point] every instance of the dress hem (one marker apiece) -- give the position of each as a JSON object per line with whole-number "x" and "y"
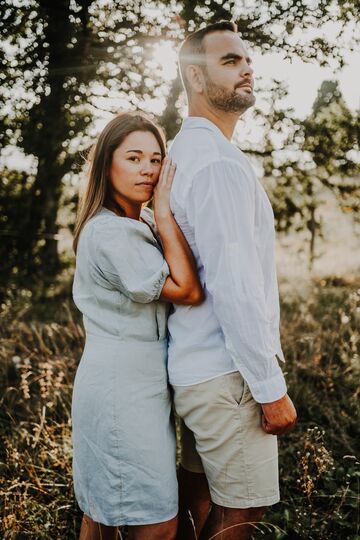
{"x": 129, "y": 522}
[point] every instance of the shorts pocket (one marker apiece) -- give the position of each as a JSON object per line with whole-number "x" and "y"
{"x": 236, "y": 389}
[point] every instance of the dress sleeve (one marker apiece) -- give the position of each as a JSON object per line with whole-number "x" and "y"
{"x": 128, "y": 258}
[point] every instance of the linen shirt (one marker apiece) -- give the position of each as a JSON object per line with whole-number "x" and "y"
{"x": 228, "y": 221}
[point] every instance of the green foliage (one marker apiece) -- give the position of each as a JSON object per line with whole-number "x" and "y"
{"x": 319, "y": 152}
{"x": 59, "y": 60}
{"x": 14, "y": 207}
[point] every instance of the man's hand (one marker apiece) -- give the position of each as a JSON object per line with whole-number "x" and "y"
{"x": 279, "y": 416}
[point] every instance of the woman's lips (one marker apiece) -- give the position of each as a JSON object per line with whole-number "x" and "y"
{"x": 148, "y": 185}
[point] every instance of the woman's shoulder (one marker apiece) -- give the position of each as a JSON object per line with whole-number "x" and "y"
{"x": 103, "y": 224}
{"x": 109, "y": 228}
{"x": 105, "y": 220}
{"x": 148, "y": 215}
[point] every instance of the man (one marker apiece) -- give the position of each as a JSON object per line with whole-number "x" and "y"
{"x": 223, "y": 355}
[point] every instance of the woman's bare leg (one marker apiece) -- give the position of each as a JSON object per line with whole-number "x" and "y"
{"x": 158, "y": 531}
{"x": 90, "y": 530}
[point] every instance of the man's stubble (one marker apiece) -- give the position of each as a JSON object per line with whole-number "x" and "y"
{"x": 225, "y": 100}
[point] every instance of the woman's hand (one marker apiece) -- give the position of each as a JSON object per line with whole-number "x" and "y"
{"x": 182, "y": 286}
{"x": 161, "y": 201}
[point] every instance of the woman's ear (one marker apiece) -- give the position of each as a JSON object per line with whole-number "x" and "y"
{"x": 195, "y": 78}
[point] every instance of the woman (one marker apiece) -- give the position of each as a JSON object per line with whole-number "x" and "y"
{"x": 123, "y": 438}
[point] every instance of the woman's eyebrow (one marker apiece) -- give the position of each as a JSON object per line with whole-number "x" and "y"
{"x": 141, "y": 152}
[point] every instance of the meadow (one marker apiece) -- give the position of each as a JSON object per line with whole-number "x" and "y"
{"x": 41, "y": 343}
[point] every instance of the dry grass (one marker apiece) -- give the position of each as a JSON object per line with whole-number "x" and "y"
{"x": 319, "y": 461}
{"x": 38, "y": 363}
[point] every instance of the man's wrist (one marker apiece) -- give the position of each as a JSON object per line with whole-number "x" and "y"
{"x": 276, "y": 401}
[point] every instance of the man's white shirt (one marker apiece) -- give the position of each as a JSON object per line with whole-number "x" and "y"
{"x": 228, "y": 221}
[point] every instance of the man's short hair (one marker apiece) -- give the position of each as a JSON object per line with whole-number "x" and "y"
{"x": 192, "y": 50}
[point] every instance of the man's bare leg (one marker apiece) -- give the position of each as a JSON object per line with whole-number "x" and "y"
{"x": 90, "y": 530}
{"x": 235, "y": 523}
{"x": 194, "y": 497}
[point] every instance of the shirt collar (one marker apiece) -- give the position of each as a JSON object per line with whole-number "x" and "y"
{"x": 192, "y": 122}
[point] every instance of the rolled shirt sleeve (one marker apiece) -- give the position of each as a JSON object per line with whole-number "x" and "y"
{"x": 129, "y": 259}
{"x": 221, "y": 209}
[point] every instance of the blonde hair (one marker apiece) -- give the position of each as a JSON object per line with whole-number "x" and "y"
{"x": 98, "y": 189}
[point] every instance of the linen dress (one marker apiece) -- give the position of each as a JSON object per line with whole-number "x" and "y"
{"x": 123, "y": 437}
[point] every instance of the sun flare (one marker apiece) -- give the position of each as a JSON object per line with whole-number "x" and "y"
{"x": 166, "y": 56}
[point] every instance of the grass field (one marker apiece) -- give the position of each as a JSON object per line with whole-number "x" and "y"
{"x": 41, "y": 343}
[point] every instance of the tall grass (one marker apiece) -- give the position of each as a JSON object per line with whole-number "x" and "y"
{"x": 319, "y": 460}
{"x": 37, "y": 368}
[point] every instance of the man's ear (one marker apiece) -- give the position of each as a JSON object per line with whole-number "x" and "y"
{"x": 195, "y": 78}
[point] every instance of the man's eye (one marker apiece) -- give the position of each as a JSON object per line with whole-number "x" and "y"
{"x": 230, "y": 62}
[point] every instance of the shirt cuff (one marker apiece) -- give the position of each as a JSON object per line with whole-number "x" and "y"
{"x": 269, "y": 390}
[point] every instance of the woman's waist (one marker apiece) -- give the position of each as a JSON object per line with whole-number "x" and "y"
{"x": 134, "y": 341}
{"x": 132, "y": 329}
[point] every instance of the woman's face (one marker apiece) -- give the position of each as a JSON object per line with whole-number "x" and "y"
{"x": 135, "y": 168}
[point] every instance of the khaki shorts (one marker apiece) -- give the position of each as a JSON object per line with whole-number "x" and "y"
{"x": 221, "y": 435}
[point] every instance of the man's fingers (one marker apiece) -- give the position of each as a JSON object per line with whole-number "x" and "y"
{"x": 279, "y": 416}
{"x": 272, "y": 429}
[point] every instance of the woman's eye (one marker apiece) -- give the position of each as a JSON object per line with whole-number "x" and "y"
{"x": 134, "y": 158}
{"x": 156, "y": 161}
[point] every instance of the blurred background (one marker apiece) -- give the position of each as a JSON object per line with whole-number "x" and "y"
{"x": 67, "y": 66}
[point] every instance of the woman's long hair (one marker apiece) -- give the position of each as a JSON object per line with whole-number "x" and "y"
{"x": 98, "y": 189}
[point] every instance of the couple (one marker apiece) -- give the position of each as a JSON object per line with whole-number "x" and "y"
{"x": 210, "y": 252}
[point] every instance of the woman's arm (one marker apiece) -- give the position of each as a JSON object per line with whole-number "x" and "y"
{"x": 183, "y": 285}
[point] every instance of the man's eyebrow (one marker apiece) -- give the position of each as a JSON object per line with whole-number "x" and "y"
{"x": 140, "y": 152}
{"x": 234, "y": 56}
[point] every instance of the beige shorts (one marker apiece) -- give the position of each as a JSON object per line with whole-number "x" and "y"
{"x": 221, "y": 435}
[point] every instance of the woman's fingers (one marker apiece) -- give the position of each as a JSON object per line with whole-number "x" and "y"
{"x": 161, "y": 175}
{"x": 171, "y": 174}
{"x": 167, "y": 172}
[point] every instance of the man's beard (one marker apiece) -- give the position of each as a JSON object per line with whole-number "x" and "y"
{"x": 225, "y": 100}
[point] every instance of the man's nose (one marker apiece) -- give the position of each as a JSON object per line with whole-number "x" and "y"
{"x": 246, "y": 69}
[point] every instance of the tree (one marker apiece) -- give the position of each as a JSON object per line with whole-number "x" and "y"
{"x": 60, "y": 59}
{"x": 319, "y": 152}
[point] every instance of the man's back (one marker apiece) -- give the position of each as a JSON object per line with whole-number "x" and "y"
{"x": 213, "y": 189}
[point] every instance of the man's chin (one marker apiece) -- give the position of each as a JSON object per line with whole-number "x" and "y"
{"x": 247, "y": 100}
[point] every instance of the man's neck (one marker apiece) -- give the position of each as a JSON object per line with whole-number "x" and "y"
{"x": 226, "y": 122}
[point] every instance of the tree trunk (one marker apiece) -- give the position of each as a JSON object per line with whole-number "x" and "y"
{"x": 47, "y": 130}
{"x": 312, "y": 228}
{"x": 170, "y": 119}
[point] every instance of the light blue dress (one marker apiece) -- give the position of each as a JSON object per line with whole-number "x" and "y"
{"x": 123, "y": 436}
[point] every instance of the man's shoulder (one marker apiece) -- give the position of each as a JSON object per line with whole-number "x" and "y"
{"x": 195, "y": 142}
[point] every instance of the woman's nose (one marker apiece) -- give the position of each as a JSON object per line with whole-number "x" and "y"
{"x": 147, "y": 167}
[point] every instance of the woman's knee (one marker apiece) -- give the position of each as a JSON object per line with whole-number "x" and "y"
{"x": 167, "y": 530}
{"x": 171, "y": 529}
{"x": 158, "y": 531}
